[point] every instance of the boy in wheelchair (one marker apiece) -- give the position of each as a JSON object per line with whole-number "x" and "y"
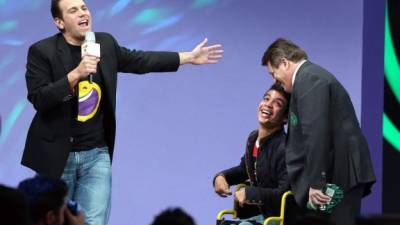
{"x": 263, "y": 164}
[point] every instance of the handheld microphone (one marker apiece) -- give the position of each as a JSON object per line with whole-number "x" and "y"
{"x": 90, "y": 47}
{"x": 74, "y": 207}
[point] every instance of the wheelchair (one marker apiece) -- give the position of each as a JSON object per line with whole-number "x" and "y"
{"x": 238, "y": 214}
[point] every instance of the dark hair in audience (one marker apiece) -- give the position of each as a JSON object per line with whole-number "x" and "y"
{"x": 173, "y": 216}
{"x": 282, "y": 48}
{"x": 13, "y": 207}
{"x": 43, "y": 194}
{"x": 277, "y": 87}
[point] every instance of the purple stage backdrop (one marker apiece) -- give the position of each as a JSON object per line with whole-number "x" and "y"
{"x": 176, "y": 130}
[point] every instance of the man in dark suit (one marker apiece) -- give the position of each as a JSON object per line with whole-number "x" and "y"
{"x": 324, "y": 135}
{"x": 73, "y": 131}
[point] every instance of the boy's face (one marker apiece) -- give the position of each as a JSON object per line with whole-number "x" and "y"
{"x": 271, "y": 110}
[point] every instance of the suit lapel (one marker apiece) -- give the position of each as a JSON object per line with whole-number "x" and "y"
{"x": 300, "y": 74}
{"x": 291, "y": 107}
{"x": 293, "y": 119}
{"x": 103, "y": 70}
{"x": 102, "y": 66}
{"x": 64, "y": 54}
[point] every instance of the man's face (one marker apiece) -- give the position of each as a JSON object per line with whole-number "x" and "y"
{"x": 76, "y": 20}
{"x": 271, "y": 110}
{"x": 282, "y": 74}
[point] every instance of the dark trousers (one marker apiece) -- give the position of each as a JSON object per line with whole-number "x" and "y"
{"x": 350, "y": 207}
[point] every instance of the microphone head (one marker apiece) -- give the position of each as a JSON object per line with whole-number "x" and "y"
{"x": 90, "y": 37}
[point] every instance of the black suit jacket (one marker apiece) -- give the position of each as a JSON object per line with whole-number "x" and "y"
{"x": 49, "y": 138}
{"x": 271, "y": 182}
{"x": 324, "y": 135}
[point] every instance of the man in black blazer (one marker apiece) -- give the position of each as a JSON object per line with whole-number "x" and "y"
{"x": 73, "y": 131}
{"x": 324, "y": 135}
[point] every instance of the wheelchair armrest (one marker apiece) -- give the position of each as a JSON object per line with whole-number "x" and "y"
{"x": 233, "y": 211}
{"x": 284, "y": 200}
{"x": 281, "y": 216}
{"x": 272, "y": 218}
{"x": 227, "y": 212}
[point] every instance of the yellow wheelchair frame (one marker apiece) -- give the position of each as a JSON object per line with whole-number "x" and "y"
{"x": 280, "y": 219}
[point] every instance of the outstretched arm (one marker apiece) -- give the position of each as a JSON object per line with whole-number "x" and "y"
{"x": 202, "y": 54}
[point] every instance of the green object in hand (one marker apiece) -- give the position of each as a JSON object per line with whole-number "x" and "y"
{"x": 336, "y": 194}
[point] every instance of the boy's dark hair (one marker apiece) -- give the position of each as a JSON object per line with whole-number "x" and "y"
{"x": 277, "y": 87}
{"x": 173, "y": 216}
{"x": 43, "y": 195}
{"x": 282, "y": 48}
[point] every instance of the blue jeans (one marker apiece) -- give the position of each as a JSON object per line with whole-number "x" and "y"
{"x": 88, "y": 177}
{"x": 259, "y": 219}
